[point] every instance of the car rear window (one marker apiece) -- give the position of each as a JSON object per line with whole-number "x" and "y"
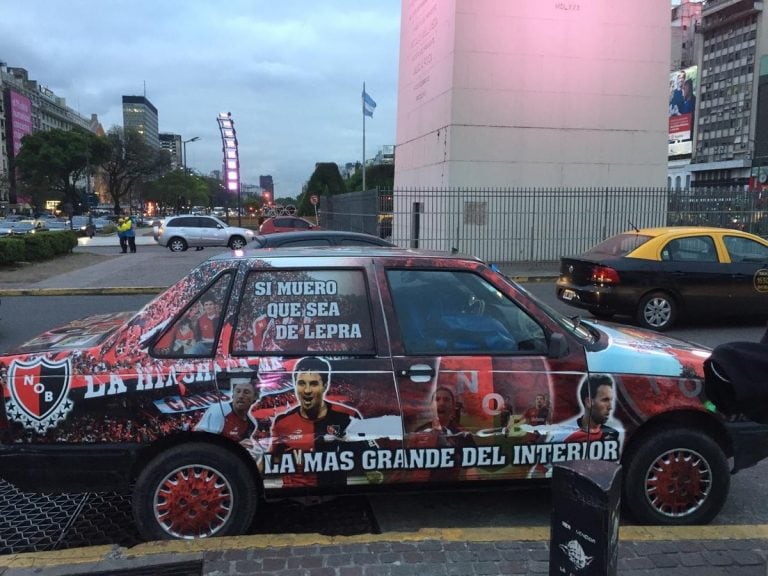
{"x": 619, "y": 245}
{"x": 300, "y": 312}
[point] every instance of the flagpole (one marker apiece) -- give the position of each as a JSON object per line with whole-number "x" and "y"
{"x": 363, "y": 108}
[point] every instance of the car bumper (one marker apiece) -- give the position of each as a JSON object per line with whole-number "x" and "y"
{"x": 606, "y": 299}
{"x": 750, "y": 443}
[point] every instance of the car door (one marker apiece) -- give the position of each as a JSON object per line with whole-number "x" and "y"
{"x": 690, "y": 267}
{"x": 749, "y": 273}
{"x": 482, "y": 396}
{"x": 210, "y": 232}
{"x": 326, "y": 412}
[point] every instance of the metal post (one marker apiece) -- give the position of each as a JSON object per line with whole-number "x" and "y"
{"x": 416, "y": 224}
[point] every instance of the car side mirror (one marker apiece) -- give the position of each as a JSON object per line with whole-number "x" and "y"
{"x": 558, "y": 347}
{"x": 219, "y": 226}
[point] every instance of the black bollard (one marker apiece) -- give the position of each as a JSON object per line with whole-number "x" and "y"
{"x": 584, "y": 533}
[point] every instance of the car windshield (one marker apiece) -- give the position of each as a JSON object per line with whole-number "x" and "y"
{"x": 619, "y": 245}
{"x": 571, "y": 324}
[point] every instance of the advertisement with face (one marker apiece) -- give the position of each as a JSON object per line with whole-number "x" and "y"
{"x": 683, "y": 86}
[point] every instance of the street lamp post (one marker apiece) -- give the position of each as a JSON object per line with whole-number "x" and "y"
{"x": 184, "y": 150}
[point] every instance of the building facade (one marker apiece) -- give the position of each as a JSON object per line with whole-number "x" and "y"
{"x": 141, "y": 116}
{"x": 731, "y": 144}
{"x": 172, "y": 143}
{"x": 26, "y": 107}
{"x": 686, "y": 19}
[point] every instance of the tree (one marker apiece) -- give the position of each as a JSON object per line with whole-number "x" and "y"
{"x": 131, "y": 161}
{"x": 177, "y": 189}
{"x": 380, "y": 176}
{"x": 53, "y": 161}
{"x": 326, "y": 180}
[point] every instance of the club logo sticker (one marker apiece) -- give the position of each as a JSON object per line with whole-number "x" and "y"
{"x": 760, "y": 280}
{"x": 39, "y": 393}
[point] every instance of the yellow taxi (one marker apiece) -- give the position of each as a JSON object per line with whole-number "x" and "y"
{"x": 657, "y": 275}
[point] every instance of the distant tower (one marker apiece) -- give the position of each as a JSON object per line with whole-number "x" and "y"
{"x": 533, "y": 94}
{"x": 172, "y": 143}
{"x": 140, "y": 116}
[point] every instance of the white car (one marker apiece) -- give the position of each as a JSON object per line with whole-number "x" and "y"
{"x": 179, "y": 233}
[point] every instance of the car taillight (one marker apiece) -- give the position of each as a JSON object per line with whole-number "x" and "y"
{"x": 604, "y": 275}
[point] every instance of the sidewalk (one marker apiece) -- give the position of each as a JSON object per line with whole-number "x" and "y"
{"x": 733, "y": 551}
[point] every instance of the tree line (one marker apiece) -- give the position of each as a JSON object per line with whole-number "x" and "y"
{"x": 57, "y": 165}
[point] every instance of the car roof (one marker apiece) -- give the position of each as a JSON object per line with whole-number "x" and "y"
{"x": 341, "y": 252}
{"x": 268, "y": 240}
{"x": 666, "y": 230}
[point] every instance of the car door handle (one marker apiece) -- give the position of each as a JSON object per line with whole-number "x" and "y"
{"x": 419, "y": 372}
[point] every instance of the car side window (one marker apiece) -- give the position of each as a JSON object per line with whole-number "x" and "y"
{"x": 207, "y": 223}
{"x": 300, "y": 224}
{"x": 356, "y": 242}
{"x": 306, "y": 242}
{"x": 301, "y": 312}
{"x": 690, "y": 249}
{"x": 184, "y": 222}
{"x": 446, "y": 312}
{"x": 745, "y": 249}
{"x": 196, "y": 332}
{"x": 281, "y": 223}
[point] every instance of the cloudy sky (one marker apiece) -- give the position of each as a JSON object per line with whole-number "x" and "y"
{"x": 290, "y": 71}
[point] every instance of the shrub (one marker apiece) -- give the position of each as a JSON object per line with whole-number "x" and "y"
{"x": 38, "y": 247}
{"x": 11, "y": 250}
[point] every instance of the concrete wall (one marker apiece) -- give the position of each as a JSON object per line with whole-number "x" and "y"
{"x": 533, "y": 93}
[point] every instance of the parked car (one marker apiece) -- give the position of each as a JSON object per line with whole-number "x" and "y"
{"x": 657, "y": 275}
{"x": 180, "y": 233}
{"x": 286, "y": 224}
{"x": 269, "y": 374}
{"x": 317, "y": 238}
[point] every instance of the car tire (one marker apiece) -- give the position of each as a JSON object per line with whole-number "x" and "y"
{"x": 657, "y": 311}
{"x": 177, "y": 245}
{"x": 236, "y": 243}
{"x": 676, "y": 476}
{"x": 194, "y": 491}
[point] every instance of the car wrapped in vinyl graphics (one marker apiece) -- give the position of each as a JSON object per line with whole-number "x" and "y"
{"x": 286, "y": 373}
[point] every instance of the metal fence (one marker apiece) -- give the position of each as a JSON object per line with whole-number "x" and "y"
{"x": 511, "y": 225}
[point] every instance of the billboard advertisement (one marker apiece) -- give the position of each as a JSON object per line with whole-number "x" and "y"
{"x": 20, "y": 119}
{"x": 682, "y": 110}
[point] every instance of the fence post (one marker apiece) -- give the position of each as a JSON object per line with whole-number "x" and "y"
{"x": 584, "y": 533}
{"x": 416, "y": 224}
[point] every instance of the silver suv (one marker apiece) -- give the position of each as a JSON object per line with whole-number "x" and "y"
{"x": 179, "y": 233}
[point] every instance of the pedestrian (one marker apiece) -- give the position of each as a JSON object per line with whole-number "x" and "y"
{"x": 130, "y": 234}
{"x": 121, "y": 229}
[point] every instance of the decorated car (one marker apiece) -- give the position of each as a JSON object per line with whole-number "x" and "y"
{"x": 656, "y": 275}
{"x": 274, "y": 374}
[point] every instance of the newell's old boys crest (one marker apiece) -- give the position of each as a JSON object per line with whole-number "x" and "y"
{"x": 39, "y": 392}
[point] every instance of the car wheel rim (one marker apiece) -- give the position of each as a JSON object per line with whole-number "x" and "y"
{"x": 193, "y": 502}
{"x": 657, "y": 312}
{"x": 678, "y": 483}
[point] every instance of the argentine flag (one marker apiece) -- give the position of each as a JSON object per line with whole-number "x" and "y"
{"x": 369, "y": 105}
